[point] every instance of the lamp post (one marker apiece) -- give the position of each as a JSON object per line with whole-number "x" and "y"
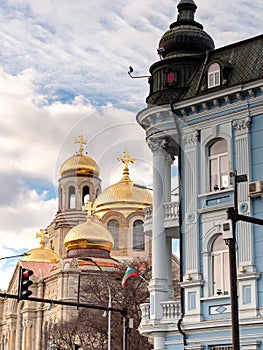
{"x": 110, "y": 298}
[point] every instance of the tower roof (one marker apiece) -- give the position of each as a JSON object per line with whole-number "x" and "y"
{"x": 123, "y": 196}
{"x": 80, "y": 163}
{"x": 185, "y": 36}
{"x": 41, "y": 254}
{"x": 89, "y": 235}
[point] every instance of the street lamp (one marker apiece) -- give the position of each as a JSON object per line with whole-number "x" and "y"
{"x": 110, "y": 298}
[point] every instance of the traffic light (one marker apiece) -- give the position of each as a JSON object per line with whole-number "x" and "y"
{"x": 24, "y": 283}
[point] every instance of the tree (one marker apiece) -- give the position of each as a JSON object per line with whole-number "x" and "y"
{"x": 91, "y": 325}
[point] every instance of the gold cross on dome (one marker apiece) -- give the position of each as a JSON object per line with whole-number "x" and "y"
{"x": 126, "y": 159}
{"x": 89, "y": 208}
{"x": 81, "y": 142}
{"x": 42, "y": 235}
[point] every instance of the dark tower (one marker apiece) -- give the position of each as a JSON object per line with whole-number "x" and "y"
{"x": 181, "y": 49}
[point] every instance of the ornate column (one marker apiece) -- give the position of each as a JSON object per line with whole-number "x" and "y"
{"x": 243, "y": 160}
{"x": 190, "y": 183}
{"x": 247, "y": 276}
{"x": 158, "y": 286}
{"x": 192, "y": 282}
{"x": 167, "y": 198}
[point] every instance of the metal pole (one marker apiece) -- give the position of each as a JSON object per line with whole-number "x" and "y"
{"x": 110, "y": 298}
{"x": 231, "y": 243}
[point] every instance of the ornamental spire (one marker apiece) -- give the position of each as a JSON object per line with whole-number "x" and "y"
{"x": 42, "y": 235}
{"x": 89, "y": 208}
{"x": 186, "y": 10}
{"x": 126, "y": 159}
{"x": 81, "y": 142}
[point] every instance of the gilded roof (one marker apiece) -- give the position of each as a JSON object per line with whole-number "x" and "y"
{"x": 80, "y": 163}
{"x": 41, "y": 254}
{"x": 89, "y": 235}
{"x": 123, "y": 196}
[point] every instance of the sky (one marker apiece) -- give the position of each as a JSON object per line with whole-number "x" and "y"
{"x": 63, "y": 72}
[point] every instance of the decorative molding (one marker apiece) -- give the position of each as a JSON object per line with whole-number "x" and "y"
{"x": 242, "y": 126}
{"x": 157, "y": 145}
{"x": 169, "y": 158}
{"x": 191, "y": 140}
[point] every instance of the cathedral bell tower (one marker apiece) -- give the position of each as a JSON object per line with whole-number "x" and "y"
{"x": 79, "y": 183}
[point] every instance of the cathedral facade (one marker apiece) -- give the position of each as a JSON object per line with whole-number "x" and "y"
{"x": 93, "y": 232}
{"x": 205, "y": 107}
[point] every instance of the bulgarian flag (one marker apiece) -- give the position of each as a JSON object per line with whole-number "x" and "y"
{"x": 128, "y": 274}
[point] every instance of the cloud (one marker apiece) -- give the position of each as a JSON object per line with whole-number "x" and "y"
{"x": 64, "y": 72}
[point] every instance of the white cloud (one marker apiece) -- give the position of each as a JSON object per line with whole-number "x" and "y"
{"x": 64, "y": 72}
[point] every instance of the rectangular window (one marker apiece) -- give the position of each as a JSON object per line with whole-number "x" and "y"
{"x": 246, "y": 294}
{"x": 192, "y": 300}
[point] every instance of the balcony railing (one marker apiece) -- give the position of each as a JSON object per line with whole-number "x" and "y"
{"x": 171, "y": 216}
{"x": 171, "y": 312}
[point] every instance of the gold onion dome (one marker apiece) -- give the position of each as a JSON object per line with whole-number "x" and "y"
{"x": 123, "y": 196}
{"x": 89, "y": 235}
{"x": 80, "y": 163}
{"x": 41, "y": 254}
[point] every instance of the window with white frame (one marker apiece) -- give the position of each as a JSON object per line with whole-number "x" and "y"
{"x": 218, "y": 165}
{"x": 220, "y": 267}
{"x": 213, "y": 75}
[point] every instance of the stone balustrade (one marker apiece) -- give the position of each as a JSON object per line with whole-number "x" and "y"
{"x": 171, "y": 312}
{"x": 171, "y": 216}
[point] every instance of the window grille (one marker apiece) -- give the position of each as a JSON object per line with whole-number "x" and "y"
{"x": 221, "y": 347}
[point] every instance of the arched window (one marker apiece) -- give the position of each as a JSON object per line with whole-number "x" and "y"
{"x": 71, "y": 198}
{"x": 85, "y": 195}
{"x": 113, "y": 227}
{"x": 60, "y": 198}
{"x": 220, "y": 267}
{"x": 218, "y": 165}
{"x": 213, "y": 75}
{"x": 138, "y": 235}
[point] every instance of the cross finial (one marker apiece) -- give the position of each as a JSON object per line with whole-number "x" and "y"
{"x": 126, "y": 159}
{"x": 81, "y": 142}
{"x": 89, "y": 208}
{"x": 42, "y": 235}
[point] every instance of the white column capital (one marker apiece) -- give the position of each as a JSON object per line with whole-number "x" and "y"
{"x": 169, "y": 158}
{"x": 242, "y": 126}
{"x": 191, "y": 139}
{"x": 157, "y": 145}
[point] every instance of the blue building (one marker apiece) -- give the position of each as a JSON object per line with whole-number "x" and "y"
{"x": 205, "y": 107}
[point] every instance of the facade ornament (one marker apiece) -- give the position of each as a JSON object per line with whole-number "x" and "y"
{"x": 191, "y": 140}
{"x": 242, "y": 126}
{"x": 169, "y": 158}
{"x": 157, "y": 145}
{"x": 227, "y": 99}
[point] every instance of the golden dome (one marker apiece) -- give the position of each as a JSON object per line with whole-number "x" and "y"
{"x": 89, "y": 235}
{"x": 42, "y": 254}
{"x": 123, "y": 196}
{"x": 80, "y": 163}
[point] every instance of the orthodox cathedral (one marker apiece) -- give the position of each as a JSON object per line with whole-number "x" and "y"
{"x": 108, "y": 232}
{"x": 205, "y": 107}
